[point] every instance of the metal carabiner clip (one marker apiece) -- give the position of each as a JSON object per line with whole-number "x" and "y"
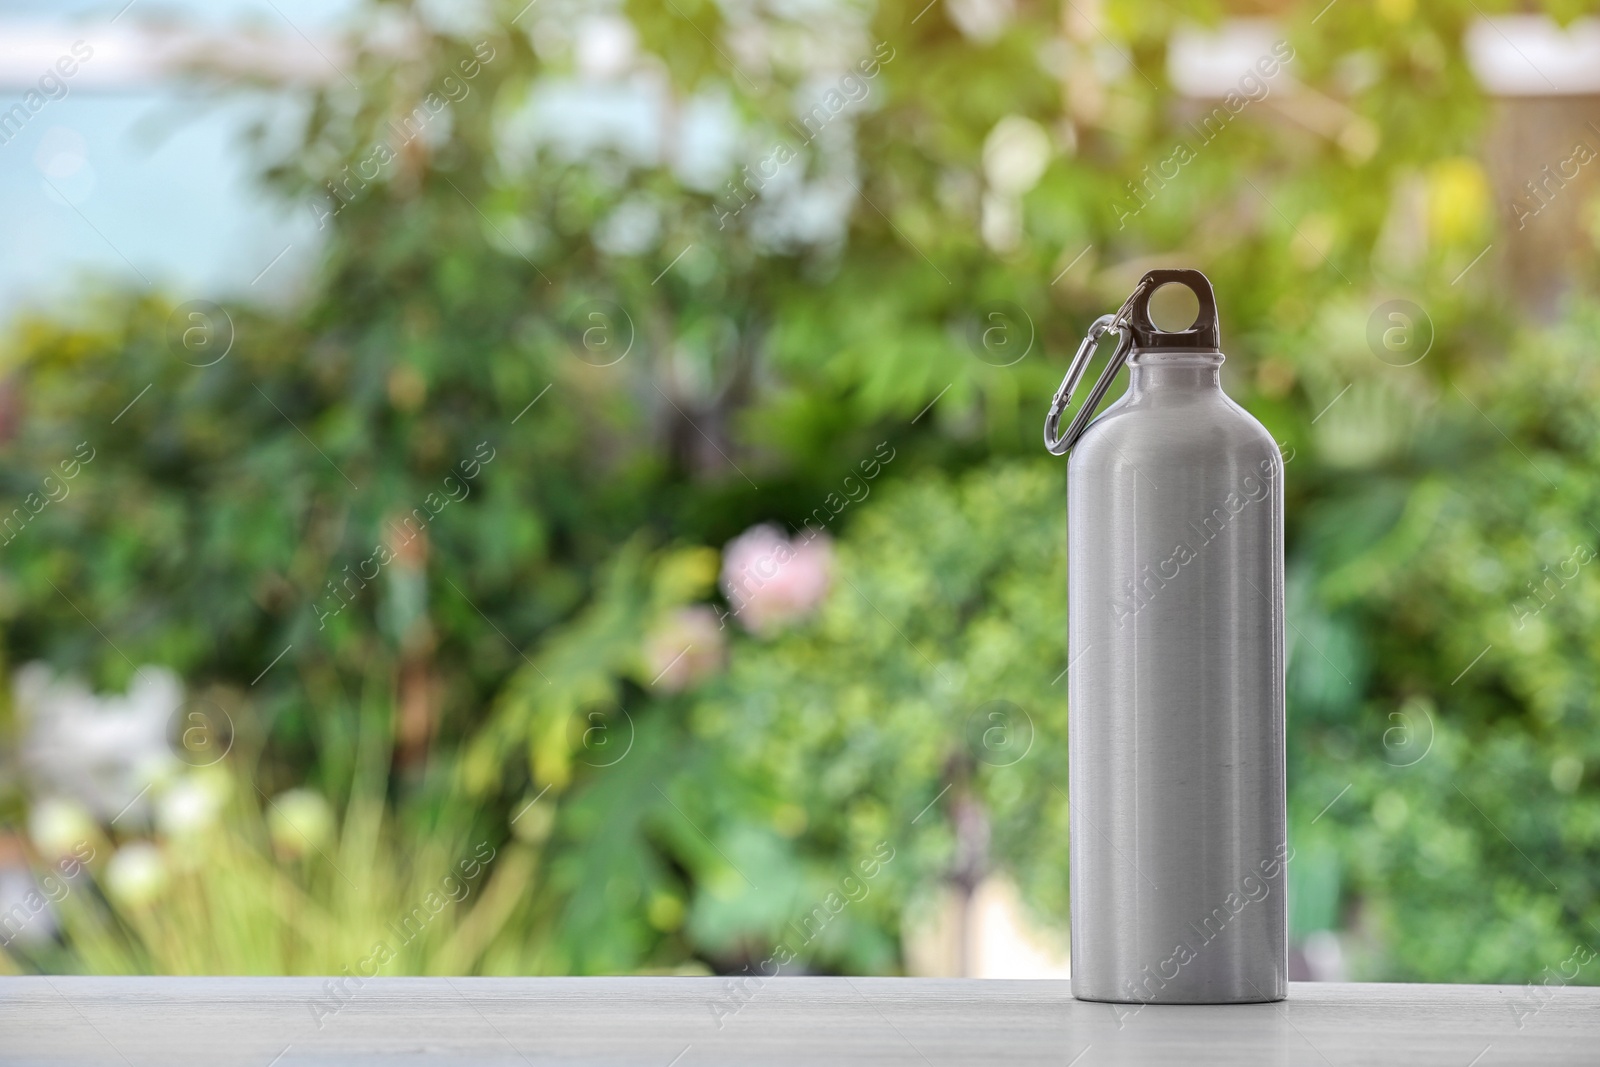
{"x": 1059, "y": 444}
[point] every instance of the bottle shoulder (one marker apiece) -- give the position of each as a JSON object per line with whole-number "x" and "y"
{"x": 1199, "y": 427}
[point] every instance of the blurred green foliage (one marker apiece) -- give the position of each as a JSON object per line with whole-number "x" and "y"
{"x": 475, "y": 293}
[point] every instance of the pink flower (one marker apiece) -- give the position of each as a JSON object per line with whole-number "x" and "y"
{"x": 685, "y": 649}
{"x": 771, "y": 580}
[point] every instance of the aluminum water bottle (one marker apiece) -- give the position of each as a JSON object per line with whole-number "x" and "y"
{"x": 1176, "y": 721}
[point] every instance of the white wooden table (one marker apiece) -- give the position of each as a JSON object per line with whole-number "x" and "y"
{"x": 673, "y": 1022}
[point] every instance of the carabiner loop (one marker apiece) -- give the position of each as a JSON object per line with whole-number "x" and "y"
{"x": 1059, "y": 444}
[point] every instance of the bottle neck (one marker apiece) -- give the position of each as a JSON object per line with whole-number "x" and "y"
{"x": 1175, "y": 371}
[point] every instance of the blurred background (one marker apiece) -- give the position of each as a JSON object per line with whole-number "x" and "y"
{"x": 555, "y": 487}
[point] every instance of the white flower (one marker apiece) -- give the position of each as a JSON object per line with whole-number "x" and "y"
{"x": 100, "y": 750}
{"x": 605, "y": 46}
{"x": 981, "y": 20}
{"x": 136, "y": 874}
{"x": 1015, "y": 155}
{"x": 771, "y": 581}
{"x": 299, "y": 821}
{"x": 58, "y": 826}
{"x": 192, "y": 802}
{"x": 632, "y": 228}
{"x": 1001, "y": 222}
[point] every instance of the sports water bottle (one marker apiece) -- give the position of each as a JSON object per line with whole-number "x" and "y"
{"x": 1176, "y": 656}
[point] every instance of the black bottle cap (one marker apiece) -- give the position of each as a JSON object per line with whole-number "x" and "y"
{"x": 1203, "y": 334}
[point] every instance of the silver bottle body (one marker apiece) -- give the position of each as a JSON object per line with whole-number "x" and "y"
{"x": 1176, "y": 720}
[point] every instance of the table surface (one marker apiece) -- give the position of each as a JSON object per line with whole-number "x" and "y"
{"x": 685, "y": 1022}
